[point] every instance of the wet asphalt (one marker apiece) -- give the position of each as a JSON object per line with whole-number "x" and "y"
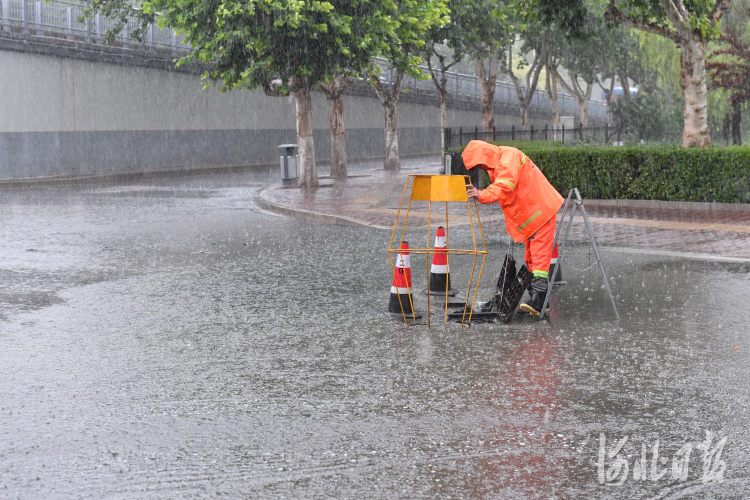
{"x": 170, "y": 339}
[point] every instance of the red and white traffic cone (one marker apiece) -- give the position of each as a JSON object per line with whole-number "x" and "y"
{"x": 401, "y": 300}
{"x": 440, "y": 277}
{"x": 557, "y": 278}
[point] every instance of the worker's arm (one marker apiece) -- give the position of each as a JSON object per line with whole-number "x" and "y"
{"x": 497, "y": 191}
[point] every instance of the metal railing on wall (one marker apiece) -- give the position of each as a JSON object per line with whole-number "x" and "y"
{"x": 457, "y": 138}
{"x": 466, "y": 87}
{"x": 61, "y": 19}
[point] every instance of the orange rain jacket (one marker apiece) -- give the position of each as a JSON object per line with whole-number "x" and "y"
{"x": 527, "y": 198}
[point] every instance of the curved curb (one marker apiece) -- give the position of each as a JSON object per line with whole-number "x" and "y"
{"x": 309, "y": 215}
{"x": 342, "y": 220}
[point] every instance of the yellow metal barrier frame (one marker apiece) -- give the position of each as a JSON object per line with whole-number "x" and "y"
{"x": 439, "y": 188}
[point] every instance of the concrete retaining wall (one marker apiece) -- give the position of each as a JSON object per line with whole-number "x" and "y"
{"x": 73, "y": 116}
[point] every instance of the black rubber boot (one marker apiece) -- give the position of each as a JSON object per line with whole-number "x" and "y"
{"x": 538, "y": 291}
{"x": 534, "y": 305}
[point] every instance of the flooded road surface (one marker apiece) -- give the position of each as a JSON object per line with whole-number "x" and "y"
{"x": 172, "y": 340}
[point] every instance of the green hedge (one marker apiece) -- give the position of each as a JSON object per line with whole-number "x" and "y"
{"x": 640, "y": 172}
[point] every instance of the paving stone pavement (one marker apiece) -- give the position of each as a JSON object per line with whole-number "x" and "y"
{"x": 372, "y": 198}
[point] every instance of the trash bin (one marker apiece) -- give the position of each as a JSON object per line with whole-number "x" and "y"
{"x": 289, "y": 164}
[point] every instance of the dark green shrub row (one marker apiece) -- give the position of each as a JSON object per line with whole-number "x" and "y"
{"x": 641, "y": 172}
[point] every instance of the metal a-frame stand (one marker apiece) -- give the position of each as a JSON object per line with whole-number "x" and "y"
{"x": 576, "y": 203}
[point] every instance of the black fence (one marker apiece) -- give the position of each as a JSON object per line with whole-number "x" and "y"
{"x": 604, "y": 134}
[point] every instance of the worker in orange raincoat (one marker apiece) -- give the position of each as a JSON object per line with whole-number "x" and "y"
{"x": 529, "y": 202}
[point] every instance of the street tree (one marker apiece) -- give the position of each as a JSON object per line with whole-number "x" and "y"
{"x": 401, "y": 42}
{"x": 582, "y": 57}
{"x": 478, "y": 30}
{"x": 298, "y": 44}
{"x": 334, "y": 88}
{"x": 281, "y": 46}
{"x": 551, "y": 63}
{"x": 438, "y": 75}
{"x": 372, "y": 28}
{"x": 525, "y": 90}
{"x": 542, "y": 28}
{"x": 444, "y": 48}
{"x": 689, "y": 23}
{"x": 488, "y": 26}
{"x": 616, "y": 60}
{"x": 729, "y": 68}
{"x": 551, "y": 24}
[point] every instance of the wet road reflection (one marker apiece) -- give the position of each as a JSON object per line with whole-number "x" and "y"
{"x": 173, "y": 340}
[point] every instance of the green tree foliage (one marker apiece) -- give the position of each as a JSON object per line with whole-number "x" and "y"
{"x": 249, "y": 44}
{"x": 565, "y": 16}
{"x": 691, "y": 24}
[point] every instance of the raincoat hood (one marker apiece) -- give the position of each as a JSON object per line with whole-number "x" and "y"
{"x": 480, "y": 153}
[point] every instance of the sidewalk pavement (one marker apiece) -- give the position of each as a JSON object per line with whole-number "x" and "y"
{"x": 708, "y": 231}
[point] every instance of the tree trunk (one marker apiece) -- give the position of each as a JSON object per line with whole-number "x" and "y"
{"x": 625, "y": 84}
{"x": 583, "y": 112}
{"x": 583, "y": 105}
{"x": 308, "y": 173}
{"x": 726, "y": 129}
{"x": 338, "y": 141}
{"x": 389, "y": 100}
{"x": 736, "y": 120}
{"x": 610, "y": 119}
{"x": 487, "y": 82}
{"x": 392, "y": 161}
{"x": 333, "y": 89}
{"x": 443, "y": 125}
{"x": 532, "y": 78}
{"x": 441, "y": 84}
{"x": 693, "y": 82}
{"x": 582, "y": 96}
{"x": 524, "y": 115}
{"x": 551, "y": 84}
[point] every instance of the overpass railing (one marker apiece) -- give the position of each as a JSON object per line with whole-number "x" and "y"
{"x": 61, "y": 19}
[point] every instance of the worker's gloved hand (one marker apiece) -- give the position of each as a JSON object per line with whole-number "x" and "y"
{"x": 472, "y": 192}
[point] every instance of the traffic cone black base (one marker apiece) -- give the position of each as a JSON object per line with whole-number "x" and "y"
{"x": 440, "y": 276}
{"x": 437, "y": 285}
{"x": 400, "y": 301}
